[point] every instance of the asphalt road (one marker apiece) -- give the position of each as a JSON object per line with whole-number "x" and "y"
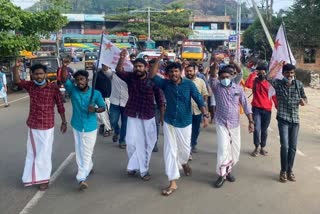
{"x": 111, "y": 191}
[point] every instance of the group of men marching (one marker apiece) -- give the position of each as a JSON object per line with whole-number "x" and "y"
{"x": 182, "y": 105}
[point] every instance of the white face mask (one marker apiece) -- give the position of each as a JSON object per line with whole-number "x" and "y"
{"x": 225, "y": 82}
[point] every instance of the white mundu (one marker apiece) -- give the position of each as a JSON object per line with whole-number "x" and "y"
{"x": 228, "y": 141}
{"x": 176, "y": 149}
{"x": 104, "y": 118}
{"x": 140, "y": 138}
{"x": 84, "y": 145}
{"x": 38, "y": 165}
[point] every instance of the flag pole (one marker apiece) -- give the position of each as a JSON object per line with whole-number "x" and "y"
{"x": 94, "y": 80}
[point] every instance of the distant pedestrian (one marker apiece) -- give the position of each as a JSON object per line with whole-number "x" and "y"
{"x": 43, "y": 97}
{"x": 290, "y": 95}
{"x": 3, "y": 87}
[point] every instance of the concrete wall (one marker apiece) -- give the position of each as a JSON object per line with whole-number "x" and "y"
{"x": 298, "y": 53}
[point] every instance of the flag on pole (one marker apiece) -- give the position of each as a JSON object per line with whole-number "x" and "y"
{"x": 110, "y": 54}
{"x": 281, "y": 52}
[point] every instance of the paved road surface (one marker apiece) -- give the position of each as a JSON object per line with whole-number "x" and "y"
{"x": 256, "y": 190}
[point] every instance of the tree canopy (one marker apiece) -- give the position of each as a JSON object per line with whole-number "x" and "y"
{"x": 21, "y": 30}
{"x": 170, "y": 24}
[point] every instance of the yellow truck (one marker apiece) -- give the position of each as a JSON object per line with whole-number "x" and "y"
{"x": 192, "y": 51}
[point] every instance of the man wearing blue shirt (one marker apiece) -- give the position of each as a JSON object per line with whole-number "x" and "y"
{"x": 177, "y": 120}
{"x": 84, "y": 121}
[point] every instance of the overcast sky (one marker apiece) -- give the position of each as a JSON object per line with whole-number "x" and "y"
{"x": 278, "y": 4}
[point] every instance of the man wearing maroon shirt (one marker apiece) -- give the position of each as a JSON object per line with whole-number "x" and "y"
{"x": 261, "y": 108}
{"x": 141, "y": 125}
{"x": 43, "y": 97}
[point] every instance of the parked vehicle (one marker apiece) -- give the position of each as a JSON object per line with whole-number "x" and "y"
{"x": 90, "y": 60}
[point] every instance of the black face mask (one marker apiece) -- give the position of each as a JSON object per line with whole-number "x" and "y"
{"x": 261, "y": 77}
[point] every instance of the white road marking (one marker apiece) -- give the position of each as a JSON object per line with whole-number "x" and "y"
{"x": 301, "y": 153}
{"x": 16, "y": 100}
{"x": 317, "y": 168}
{"x": 40, "y": 194}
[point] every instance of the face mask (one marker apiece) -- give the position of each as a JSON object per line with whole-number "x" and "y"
{"x": 261, "y": 77}
{"x": 225, "y": 82}
{"x": 40, "y": 83}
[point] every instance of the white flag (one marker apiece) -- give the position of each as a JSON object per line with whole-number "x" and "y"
{"x": 110, "y": 55}
{"x": 280, "y": 53}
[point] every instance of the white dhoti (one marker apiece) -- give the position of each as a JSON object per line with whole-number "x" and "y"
{"x": 176, "y": 149}
{"x": 228, "y": 153}
{"x": 140, "y": 138}
{"x": 84, "y": 145}
{"x": 103, "y": 118}
{"x": 38, "y": 165}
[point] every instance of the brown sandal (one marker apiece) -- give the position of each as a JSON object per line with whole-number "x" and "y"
{"x": 263, "y": 152}
{"x": 168, "y": 191}
{"x": 146, "y": 177}
{"x": 44, "y": 186}
{"x": 187, "y": 169}
{"x": 255, "y": 153}
{"x": 106, "y": 133}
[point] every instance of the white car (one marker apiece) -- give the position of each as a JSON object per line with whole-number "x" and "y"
{"x": 155, "y": 54}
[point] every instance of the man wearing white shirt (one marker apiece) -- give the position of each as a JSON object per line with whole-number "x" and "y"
{"x": 118, "y": 100}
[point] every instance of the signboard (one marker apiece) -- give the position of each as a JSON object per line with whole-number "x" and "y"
{"x": 212, "y": 35}
{"x": 94, "y": 17}
{"x": 233, "y": 45}
{"x": 233, "y": 38}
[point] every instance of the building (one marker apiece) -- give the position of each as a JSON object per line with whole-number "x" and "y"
{"x": 84, "y": 24}
{"x": 213, "y": 30}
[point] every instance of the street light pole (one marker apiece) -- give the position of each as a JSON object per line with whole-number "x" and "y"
{"x": 149, "y": 24}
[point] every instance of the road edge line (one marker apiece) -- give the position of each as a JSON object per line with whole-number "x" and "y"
{"x": 13, "y": 101}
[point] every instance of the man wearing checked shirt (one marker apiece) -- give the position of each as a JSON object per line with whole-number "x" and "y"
{"x": 177, "y": 120}
{"x": 228, "y": 96}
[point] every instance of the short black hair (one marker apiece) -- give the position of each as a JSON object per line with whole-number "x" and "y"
{"x": 192, "y": 65}
{"x": 261, "y": 68}
{"x": 145, "y": 56}
{"x": 173, "y": 65}
{"x": 226, "y": 69}
{"x": 141, "y": 61}
{"x": 132, "y": 55}
{"x": 38, "y": 66}
{"x": 288, "y": 67}
{"x": 152, "y": 61}
{"x": 81, "y": 73}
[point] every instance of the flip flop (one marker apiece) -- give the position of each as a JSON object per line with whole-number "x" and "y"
{"x": 168, "y": 191}
{"x": 263, "y": 152}
{"x": 106, "y": 133}
{"x": 187, "y": 169}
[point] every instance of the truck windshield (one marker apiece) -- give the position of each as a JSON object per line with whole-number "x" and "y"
{"x": 192, "y": 49}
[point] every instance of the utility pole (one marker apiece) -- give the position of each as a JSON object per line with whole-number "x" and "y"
{"x": 238, "y": 30}
{"x": 149, "y": 10}
{"x": 270, "y": 40}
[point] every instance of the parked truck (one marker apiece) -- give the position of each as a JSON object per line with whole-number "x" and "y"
{"x": 192, "y": 51}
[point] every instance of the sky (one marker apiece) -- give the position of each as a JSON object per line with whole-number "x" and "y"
{"x": 278, "y": 4}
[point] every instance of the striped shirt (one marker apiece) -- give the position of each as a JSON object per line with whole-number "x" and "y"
{"x": 178, "y": 96}
{"x": 228, "y": 100}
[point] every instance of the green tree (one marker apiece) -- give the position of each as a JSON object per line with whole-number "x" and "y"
{"x": 255, "y": 38}
{"x": 302, "y": 23}
{"x": 21, "y": 30}
{"x": 170, "y": 25}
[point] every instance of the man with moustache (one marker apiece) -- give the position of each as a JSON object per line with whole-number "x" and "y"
{"x": 290, "y": 95}
{"x": 141, "y": 125}
{"x": 84, "y": 120}
{"x": 43, "y": 97}
{"x": 178, "y": 119}
{"x": 196, "y": 113}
